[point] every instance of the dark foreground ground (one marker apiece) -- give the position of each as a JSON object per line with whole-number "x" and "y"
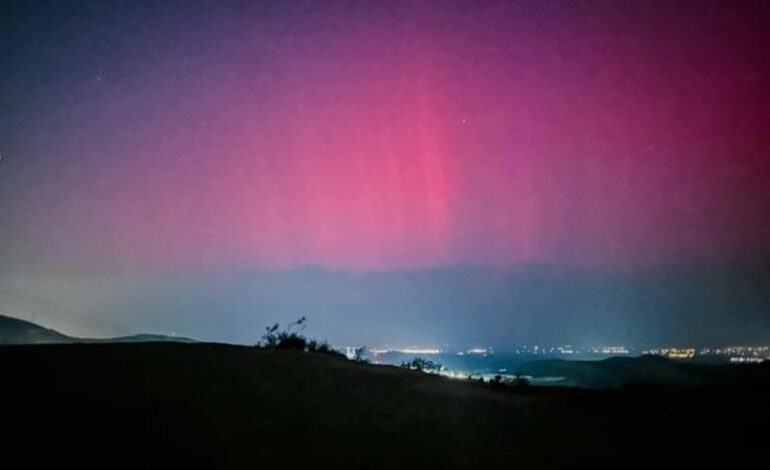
{"x": 151, "y": 404}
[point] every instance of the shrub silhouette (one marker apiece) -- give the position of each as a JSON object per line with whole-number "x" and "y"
{"x": 517, "y": 380}
{"x": 358, "y": 354}
{"x": 520, "y": 380}
{"x": 274, "y": 338}
{"x": 270, "y": 338}
{"x": 286, "y": 339}
{"x": 423, "y": 365}
{"x": 291, "y": 341}
{"x": 320, "y": 346}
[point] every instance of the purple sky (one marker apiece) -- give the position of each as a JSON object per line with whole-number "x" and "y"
{"x": 170, "y": 136}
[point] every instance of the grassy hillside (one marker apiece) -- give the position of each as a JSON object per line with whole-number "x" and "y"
{"x": 150, "y": 403}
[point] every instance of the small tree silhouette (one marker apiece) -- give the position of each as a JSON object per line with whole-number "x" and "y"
{"x": 286, "y": 339}
{"x": 275, "y": 338}
{"x": 423, "y": 365}
{"x": 270, "y": 338}
{"x": 358, "y": 354}
{"x": 521, "y": 380}
{"x": 301, "y": 323}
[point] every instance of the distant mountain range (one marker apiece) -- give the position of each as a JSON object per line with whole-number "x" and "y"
{"x": 17, "y": 331}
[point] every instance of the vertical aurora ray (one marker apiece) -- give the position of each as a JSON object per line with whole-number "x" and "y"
{"x": 377, "y": 137}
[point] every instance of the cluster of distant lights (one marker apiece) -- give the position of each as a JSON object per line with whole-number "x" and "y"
{"x": 569, "y": 350}
{"x": 426, "y": 351}
{"x": 736, "y": 354}
{"x": 671, "y": 353}
{"x": 429, "y": 351}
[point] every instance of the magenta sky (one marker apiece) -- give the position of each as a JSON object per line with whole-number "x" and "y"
{"x": 503, "y": 172}
{"x": 384, "y": 135}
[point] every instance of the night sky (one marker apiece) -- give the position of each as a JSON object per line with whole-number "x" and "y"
{"x": 449, "y": 173}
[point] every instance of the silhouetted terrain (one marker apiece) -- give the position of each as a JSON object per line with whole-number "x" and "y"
{"x": 17, "y": 331}
{"x": 223, "y": 405}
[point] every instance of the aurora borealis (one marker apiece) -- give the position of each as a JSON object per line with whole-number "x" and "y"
{"x": 171, "y": 138}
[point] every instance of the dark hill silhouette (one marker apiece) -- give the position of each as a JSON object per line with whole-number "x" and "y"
{"x": 225, "y": 406}
{"x": 143, "y": 338}
{"x": 17, "y": 331}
